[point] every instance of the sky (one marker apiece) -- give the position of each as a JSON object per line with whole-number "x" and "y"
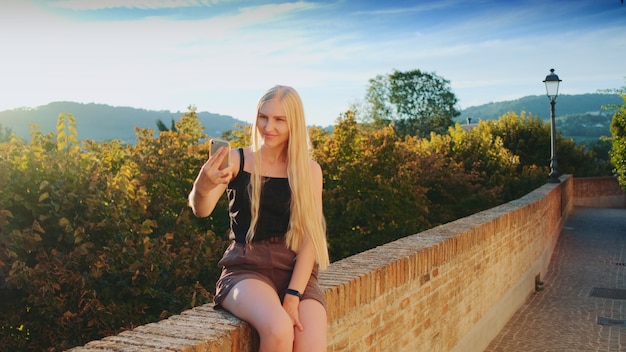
{"x": 222, "y": 55}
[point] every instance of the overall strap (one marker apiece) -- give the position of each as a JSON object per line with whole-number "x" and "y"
{"x": 240, "y": 159}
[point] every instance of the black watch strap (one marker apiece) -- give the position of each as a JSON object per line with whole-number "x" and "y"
{"x": 290, "y": 291}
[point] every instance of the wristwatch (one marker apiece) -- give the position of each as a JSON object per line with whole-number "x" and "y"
{"x": 290, "y": 291}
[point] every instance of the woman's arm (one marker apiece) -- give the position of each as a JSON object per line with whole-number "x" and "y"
{"x": 211, "y": 183}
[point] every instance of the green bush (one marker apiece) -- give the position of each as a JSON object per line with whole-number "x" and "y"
{"x": 379, "y": 187}
{"x": 90, "y": 245}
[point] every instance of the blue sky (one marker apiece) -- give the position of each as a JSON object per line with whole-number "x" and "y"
{"x": 221, "y": 55}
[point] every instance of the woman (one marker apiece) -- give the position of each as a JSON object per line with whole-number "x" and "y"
{"x": 269, "y": 272}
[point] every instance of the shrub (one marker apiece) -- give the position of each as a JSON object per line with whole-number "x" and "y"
{"x": 97, "y": 238}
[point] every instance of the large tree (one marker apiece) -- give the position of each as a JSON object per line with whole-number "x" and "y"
{"x": 417, "y": 102}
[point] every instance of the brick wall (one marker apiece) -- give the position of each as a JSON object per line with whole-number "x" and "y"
{"x": 450, "y": 288}
{"x": 599, "y": 192}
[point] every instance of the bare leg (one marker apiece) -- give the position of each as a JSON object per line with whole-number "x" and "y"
{"x": 257, "y": 303}
{"x": 314, "y": 336}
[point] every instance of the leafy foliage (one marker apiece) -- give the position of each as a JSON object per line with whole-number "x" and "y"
{"x": 379, "y": 187}
{"x": 239, "y": 137}
{"x": 162, "y": 128}
{"x": 96, "y": 238}
{"x": 528, "y": 137}
{"x": 5, "y": 134}
{"x": 417, "y": 102}
{"x": 371, "y": 196}
{"x": 618, "y": 151}
{"x": 581, "y": 117}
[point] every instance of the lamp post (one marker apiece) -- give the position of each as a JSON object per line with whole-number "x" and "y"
{"x": 552, "y": 88}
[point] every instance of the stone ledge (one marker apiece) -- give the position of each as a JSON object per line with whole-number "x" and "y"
{"x": 198, "y": 329}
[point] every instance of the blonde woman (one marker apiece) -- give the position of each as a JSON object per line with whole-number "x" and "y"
{"x": 277, "y": 227}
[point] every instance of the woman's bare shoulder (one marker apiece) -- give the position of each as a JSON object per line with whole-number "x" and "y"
{"x": 248, "y": 158}
{"x": 235, "y": 158}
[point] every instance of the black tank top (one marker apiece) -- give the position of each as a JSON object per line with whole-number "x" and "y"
{"x": 274, "y": 208}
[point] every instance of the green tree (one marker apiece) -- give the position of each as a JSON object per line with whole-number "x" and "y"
{"x": 162, "y": 128}
{"x": 483, "y": 154}
{"x": 5, "y": 134}
{"x": 369, "y": 195}
{"x": 238, "y": 137}
{"x": 618, "y": 151}
{"x": 528, "y": 137}
{"x": 451, "y": 190}
{"x": 378, "y": 187}
{"x": 417, "y": 102}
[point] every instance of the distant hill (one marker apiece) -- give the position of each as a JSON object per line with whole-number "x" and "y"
{"x": 539, "y": 105}
{"x": 577, "y": 116}
{"x": 102, "y": 122}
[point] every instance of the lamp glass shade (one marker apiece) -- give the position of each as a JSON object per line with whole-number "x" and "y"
{"x": 552, "y": 84}
{"x": 552, "y": 88}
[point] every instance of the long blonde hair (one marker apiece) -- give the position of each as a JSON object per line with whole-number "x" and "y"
{"x": 307, "y": 218}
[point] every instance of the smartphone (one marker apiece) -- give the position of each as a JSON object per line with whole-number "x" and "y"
{"x": 217, "y": 144}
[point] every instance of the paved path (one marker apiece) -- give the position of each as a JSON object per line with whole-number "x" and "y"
{"x": 590, "y": 255}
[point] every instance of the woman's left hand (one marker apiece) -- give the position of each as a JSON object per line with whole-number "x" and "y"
{"x": 291, "y": 304}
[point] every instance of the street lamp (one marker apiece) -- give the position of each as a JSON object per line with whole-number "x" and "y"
{"x": 552, "y": 88}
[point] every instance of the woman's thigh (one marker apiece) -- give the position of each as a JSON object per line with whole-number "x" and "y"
{"x": 314, "y": 321}
{"x": 257, "y": 303}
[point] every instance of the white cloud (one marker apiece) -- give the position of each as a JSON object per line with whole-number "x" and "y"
{"x": 131, "y": 4}
{"x": 412, "y": 9}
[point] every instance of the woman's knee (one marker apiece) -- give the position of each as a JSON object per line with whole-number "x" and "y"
{"x": 278, "y": 333}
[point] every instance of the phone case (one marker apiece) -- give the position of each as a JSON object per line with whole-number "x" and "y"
{"x": 217, "y": 144}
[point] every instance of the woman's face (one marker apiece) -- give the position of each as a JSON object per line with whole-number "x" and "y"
{"x": 272, "y": 124}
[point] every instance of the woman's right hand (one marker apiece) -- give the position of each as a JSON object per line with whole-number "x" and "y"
{"x": 210, "y": 184}
{"x": 210, "y": 171}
